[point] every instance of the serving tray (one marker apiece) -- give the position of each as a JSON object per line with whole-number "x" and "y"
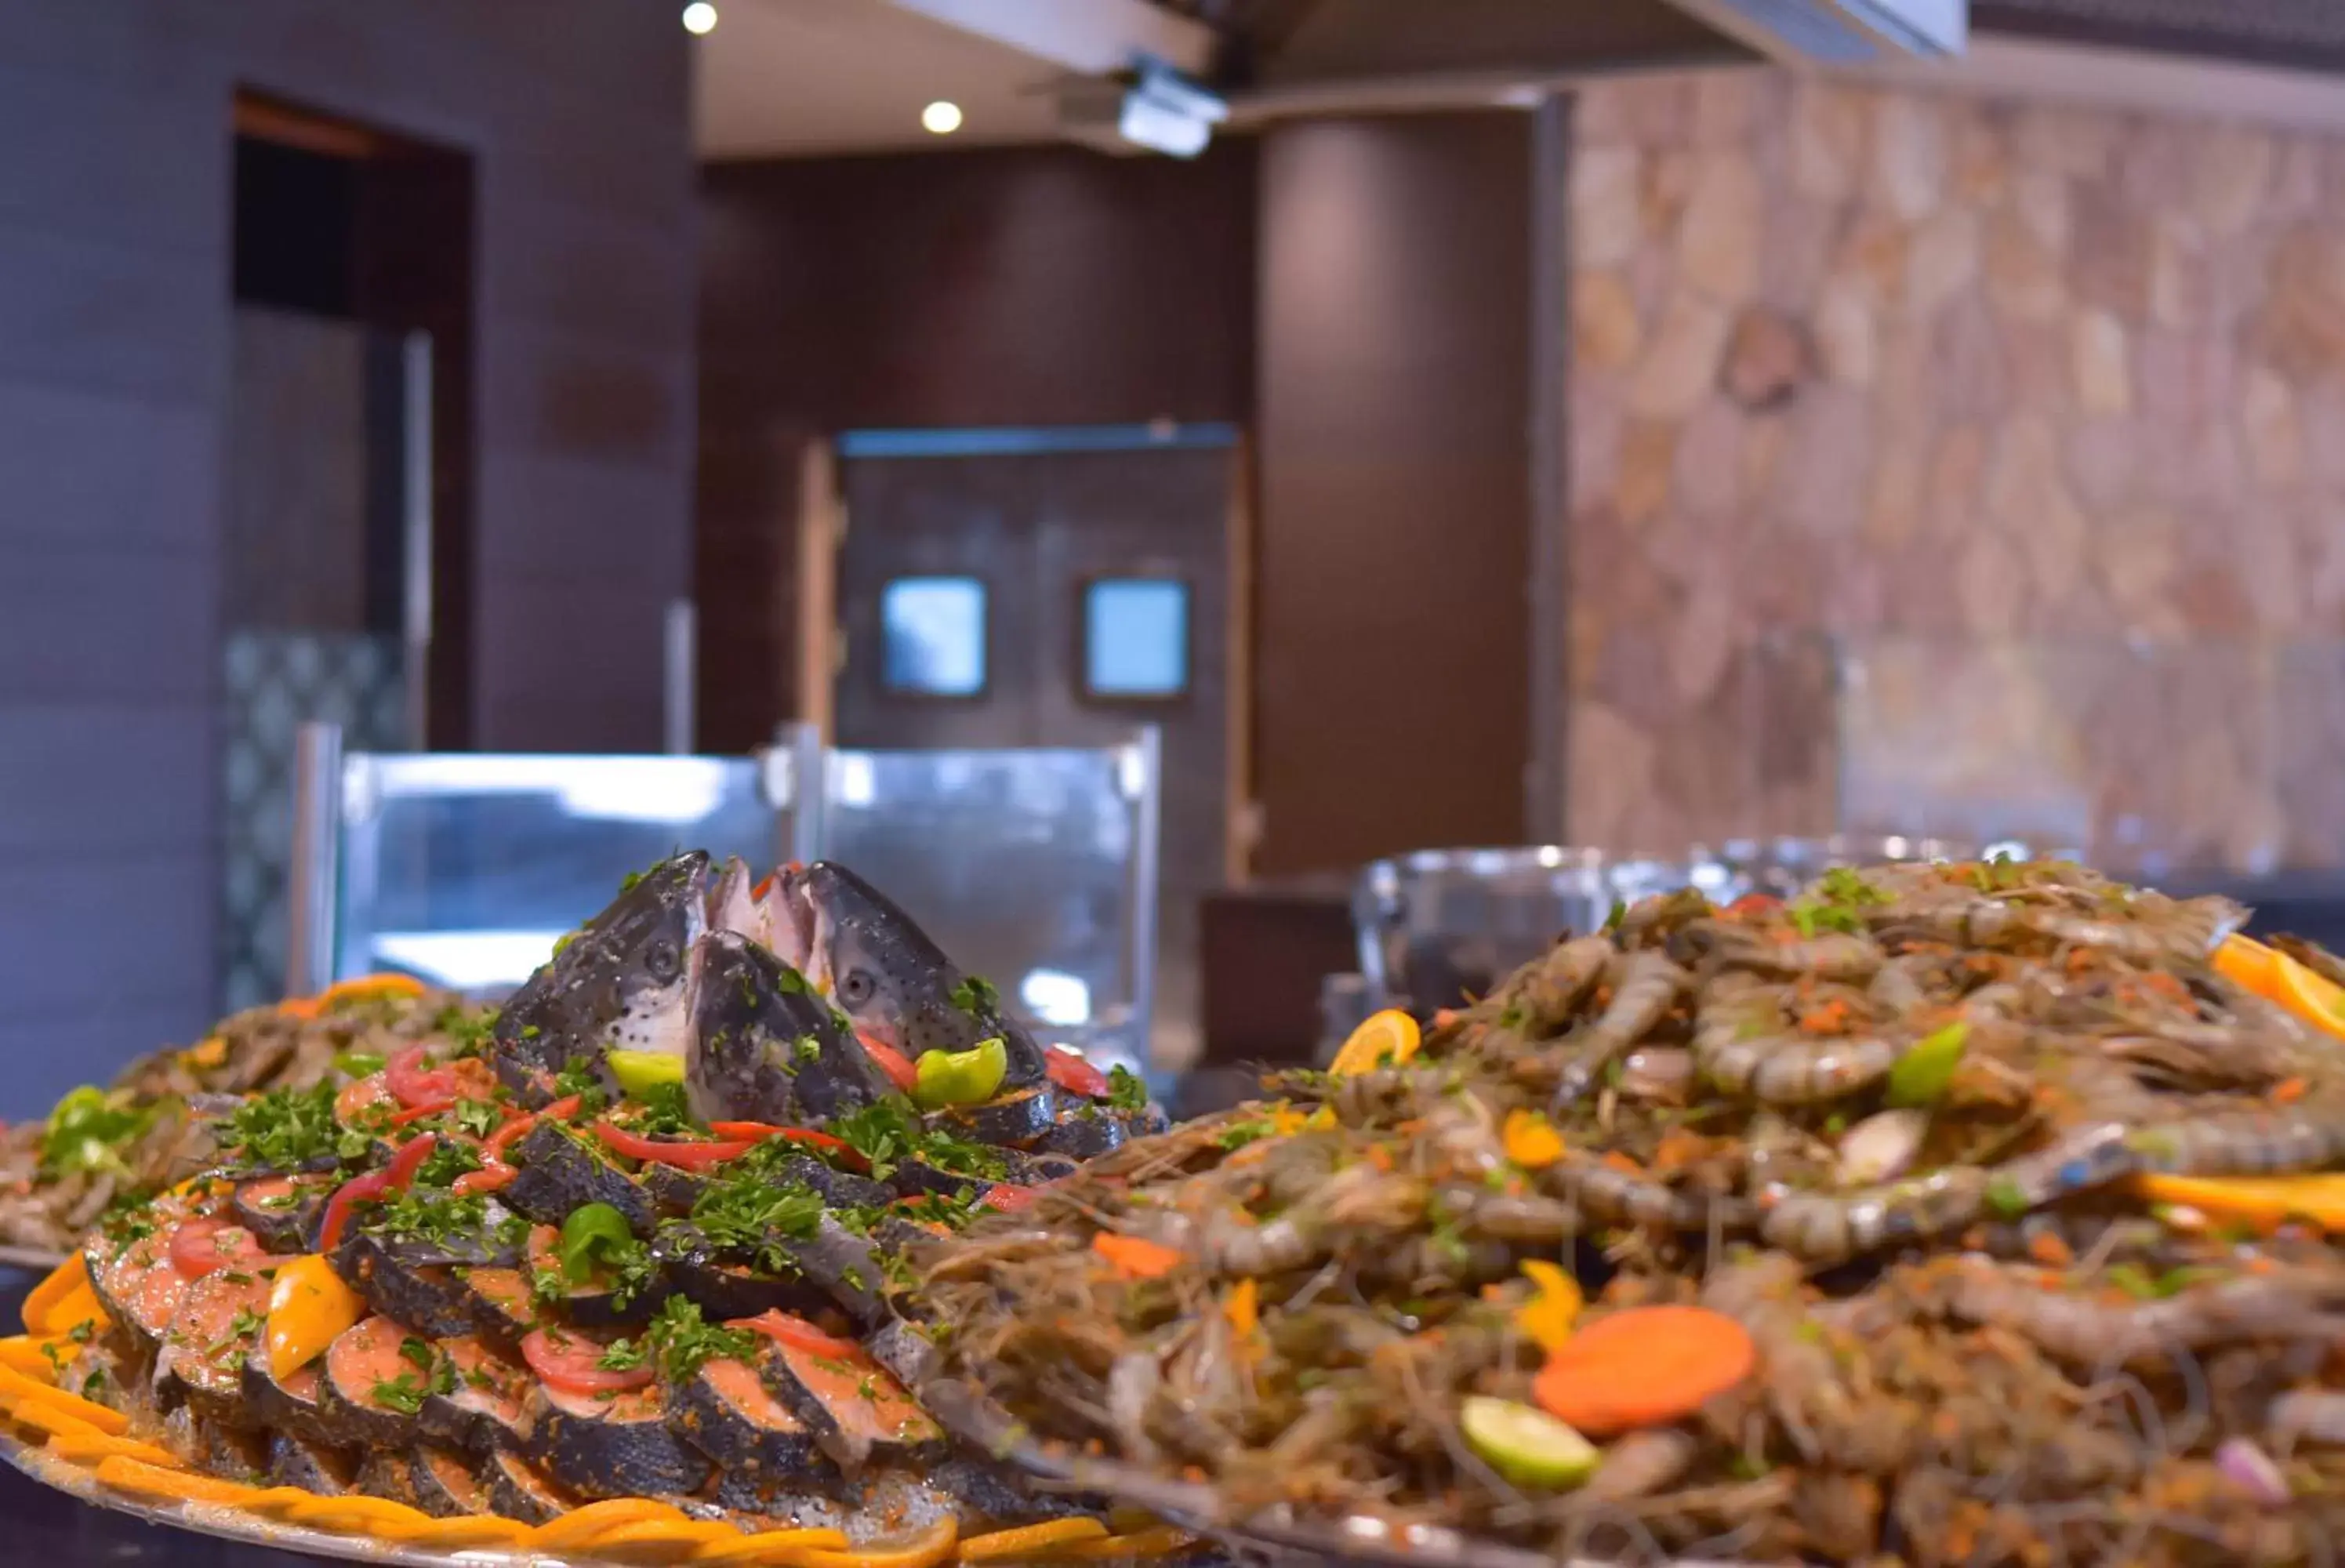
{"x": 235, "y": 1524}
{"x": 973, "y": 1416}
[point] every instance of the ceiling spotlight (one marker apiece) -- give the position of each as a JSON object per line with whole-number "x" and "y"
{"x": 700, "y": 17}
{"x": 942, "y": 117}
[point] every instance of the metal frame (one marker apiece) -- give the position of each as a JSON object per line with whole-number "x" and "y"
{"x": 794, "y": 772}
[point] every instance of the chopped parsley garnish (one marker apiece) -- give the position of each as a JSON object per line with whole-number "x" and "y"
{"x": 418, "y": 1351}
{"x": 446, "y": 1162}
{"x": 579, "y": 1078}
{"x": 406, "y": 1393}
{"x": 285, "y": 1129}
{"x": 807, "y": 1048}
{"x": 1238, "y": 1133}
{"x": 684, "y": 1342}
{"x": 621, "y": 1356}
{"x": 662, "y": 1110}
{"x": 889, "y": 1133}
{"x": 749, "y": 1215}
{"x": 1126, "y": 1089}
{"x": 976, "y": 997}
{"x": 418, "y": 1216}
{"x": 467, "y": 1029}
{"x": 479, "y": 1116}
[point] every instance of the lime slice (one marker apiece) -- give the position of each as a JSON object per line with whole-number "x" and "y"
{"x": 641, "y": 1071}
{"x": 1528, "y": 1446}
{"x": 960, "y": 1077}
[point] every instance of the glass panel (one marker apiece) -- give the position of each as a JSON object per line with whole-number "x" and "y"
{"x": 464, "y": 868}
{"x": 1136, "y": 637}
{"x": 1026, "y": 866}
{"x": 935, "y": 630}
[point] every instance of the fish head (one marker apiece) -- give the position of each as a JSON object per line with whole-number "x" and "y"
{"x": 619, "y": 982}
{"x": 764, "y": 1045}
{"x": 891, "y": 980}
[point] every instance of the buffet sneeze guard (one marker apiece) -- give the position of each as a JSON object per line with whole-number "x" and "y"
{"x": 1036, "y": 867}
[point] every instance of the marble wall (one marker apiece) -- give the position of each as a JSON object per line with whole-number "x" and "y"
{"x": 1940, "y": 464}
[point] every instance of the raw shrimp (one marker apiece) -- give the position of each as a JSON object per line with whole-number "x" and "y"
{"x": 2080, "y": 1330}
{"x": 2187, "y": 930}
{"x": 2307, "y": 1415}
{"x": 1550, "y": 992}
{"x": 1647, "y": 984}
{"x": 2243, "y": 1143}
{"x": 1792, "y": 1069}
{"x": 1663, "y": 1074}
{"x": 1604, "y": 1193}
{"x": 1828, "y": 1228}
{"x": 1834, "y": 956}
{"x": 1520, "y": 1218}
{"x": 1642, "y": 1463}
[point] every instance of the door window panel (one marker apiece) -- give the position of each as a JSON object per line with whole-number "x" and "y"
{"x": 935, "y": 630}
{"x": 1135, "y": 638}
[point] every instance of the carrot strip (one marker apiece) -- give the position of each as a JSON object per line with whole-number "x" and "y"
{"x": 925, "y": 1549}
{"x": 1030, "y": 1537}
{"x": 154, "y": 1481}
{"x": 1160, "y": 1542}
{"x": 1531, "y": 1140}
{"x": 87, "y": 1448}
{"x": 580, "y": 1525}
{"x": 769, "y": 1545}
{"x": 377, "y": 1517}
{"x": 48, "y": 1419}
{"x": 1643, "y": 1367}
{"x": 23, "y": 1353}
{"x": 470, "y": 1530}
{"x": 369, "y": 985}
{"x": 2287, "y": 1091}
{"x": 1136, "y": 1258}
{"x": 677, "y": 1539}
{"x": 113, "y": 1422}
{"x": 61, "y": 1282}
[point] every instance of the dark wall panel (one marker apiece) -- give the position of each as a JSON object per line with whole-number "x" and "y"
{"x": 1394, "y": 466}
{"x": 1031, "y": 286}
{"x": 114, "y": 295}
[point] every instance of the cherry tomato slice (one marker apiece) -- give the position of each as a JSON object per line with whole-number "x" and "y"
{"x": 415, "y": 1113}
{"x": 493, "y": 1177}
{"x": 785, "y": 1330}
{"x": 360, "y": 1094}
{"x": 392, "y": 1178}
{"x": 569, "y": 1362}
{"x": 1071, "y": 1072}
{"x": 202, "y": 1247}
{"x": 506, "y": 1136}
{"x": 1007, "y": 1196}
{"x": 757, "y": 1131}
{"x": 412, "y": 1083}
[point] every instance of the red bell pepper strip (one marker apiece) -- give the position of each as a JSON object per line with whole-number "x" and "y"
{"x": 785, "y": 1328}
{"x": 418, "y": 1112}
{"x": 392, "y": 1178}
{"x": 1008, "y": 1197}
{"x": 891, "y": 1061}
{"x": 695, "y": 1155}
{"x": 493, "y": 1177}
{"x": 412, "y": 1083}
{"x": 758, "y": 1131}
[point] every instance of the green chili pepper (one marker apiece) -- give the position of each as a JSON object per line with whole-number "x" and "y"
{"x": 586, "y": 1235}
{"x": 960, "y": 1077}
{"x": 1923, "y": 1074}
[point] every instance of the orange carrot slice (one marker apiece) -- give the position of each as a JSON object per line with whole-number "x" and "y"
{"x": 28, "y": 1354}
{"x": 662, "y": 1540}
{"x": 1162, "y": 1541}
{"x": 923, "y": 1548}
{"x": 1643, "y": 1367}
{"x": 580, "y": 1525}
{"x": 1030, "y": 1537}
{"x": 154, "y": 1481}
{"x": 771, "y": 1546}
{"x": 469, "y": 1529}
{"x": 87, "y": 1447}
{"x": 1136, "y": 1258}
{"x": 1530, "y": 1139}
{"x": 61, "y": 1282}
{"x": 17, "y": 1386}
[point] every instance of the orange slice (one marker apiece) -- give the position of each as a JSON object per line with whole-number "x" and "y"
{"x": 2248, "y": 965}
{"x": 2318, "y": 1001}
{"x": 1386, "y": 1038}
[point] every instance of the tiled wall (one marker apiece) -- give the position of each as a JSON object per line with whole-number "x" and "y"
{"x": 1939, "y": 463}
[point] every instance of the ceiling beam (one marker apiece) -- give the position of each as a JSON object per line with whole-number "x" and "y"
{"x": 1090, "y": 38}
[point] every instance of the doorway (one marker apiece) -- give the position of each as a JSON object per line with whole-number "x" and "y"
{"x": 346, "y": 546}
{"x": 1056, "y": 588}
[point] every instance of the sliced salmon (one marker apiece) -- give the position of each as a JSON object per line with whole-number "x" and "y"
{"x": 372, "y": 1389}
{"x": 857, "y": 1411}
{"x": 613, "y": 1445}
{"x": 219, "y": 1317}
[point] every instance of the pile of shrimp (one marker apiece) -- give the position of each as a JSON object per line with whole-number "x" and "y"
{"x": 1895, "y": 1129}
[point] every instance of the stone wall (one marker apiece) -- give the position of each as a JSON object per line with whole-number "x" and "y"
{"x": 1939, "y": 464}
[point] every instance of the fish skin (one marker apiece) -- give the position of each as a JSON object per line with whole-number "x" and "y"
{"x": 765, "y": 1045}
{"x": 618, "y": 983}
{"x": 887, "y": 976}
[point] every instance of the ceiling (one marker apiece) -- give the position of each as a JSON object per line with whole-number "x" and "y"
{"x": 794, "y": 78}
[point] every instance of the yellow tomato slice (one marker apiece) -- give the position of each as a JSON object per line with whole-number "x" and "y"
{"x": 1387, "y": 1038}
